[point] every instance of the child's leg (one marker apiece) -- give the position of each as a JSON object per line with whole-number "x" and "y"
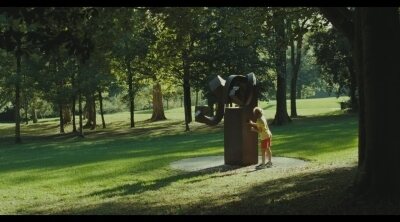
{"x": 268, "y": 150}
{"x": 269, "y": 154}
{"x": 263, "y": 145}
{"x": 263, "y": 153}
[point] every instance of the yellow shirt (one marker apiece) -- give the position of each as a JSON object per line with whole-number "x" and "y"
{"x": 262, "y": 127}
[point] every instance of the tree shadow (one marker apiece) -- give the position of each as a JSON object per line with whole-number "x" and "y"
{"x": 138, "y": 186}
{"x": 322, "y": 192}
{"x": 317, "y": 193}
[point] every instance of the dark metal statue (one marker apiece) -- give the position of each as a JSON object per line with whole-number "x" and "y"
{"x": 240, "y": 144}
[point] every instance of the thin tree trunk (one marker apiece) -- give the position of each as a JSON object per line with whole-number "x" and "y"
{"x": 281, "y": 116}
{"x": 158, "y": 108}
{"x": 73, "y": 102}
{"x": 80, "y": 115}
{"x": 101, "y": 110}
{"x": 34, "y": 114}
{"x": 94, "y": 122}
{"x": 88, "y": 110}
{"x": 197, "y": 98}
{"x": 186, "y": 91}
{"x": 26, "y": 109}
{"x": 73, "y": 113}
{"x": 17, "y": 100}
{"x": 130, "y": 92}
{"x": 66, "y": 114}
{"x": 296, "y": 62}
{"x": 60, "y": 106}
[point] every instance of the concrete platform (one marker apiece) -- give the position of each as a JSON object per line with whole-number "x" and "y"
{"x": 217, "y": 162}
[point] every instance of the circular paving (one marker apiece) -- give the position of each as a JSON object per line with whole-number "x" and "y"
{"x": 217, "y": 162}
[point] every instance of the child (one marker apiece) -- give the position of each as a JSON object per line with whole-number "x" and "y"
{"x": 261, "y": 127}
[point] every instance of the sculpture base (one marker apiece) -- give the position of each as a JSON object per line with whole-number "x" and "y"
{"x": 240, "y": 143}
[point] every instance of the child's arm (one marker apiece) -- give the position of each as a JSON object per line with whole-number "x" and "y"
{"x": 251, "y": 123}
{"x": 254, "y": 129}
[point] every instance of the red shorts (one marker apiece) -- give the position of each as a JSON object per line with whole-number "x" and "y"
{"x": 265, "y": 143}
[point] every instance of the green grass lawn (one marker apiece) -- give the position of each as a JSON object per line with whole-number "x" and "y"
{"x": 126, "y": 171}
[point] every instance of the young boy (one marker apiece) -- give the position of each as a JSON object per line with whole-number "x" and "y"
{"x": 261, "y": 127}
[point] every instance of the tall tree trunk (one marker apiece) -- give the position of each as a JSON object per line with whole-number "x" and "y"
{"x": 94, "y": 122}
{"x": 17, "y": 100}
{"x": 34, "y": 114}
{"x": 158, "y": 108}
{"x": 26, "y": 109}
{"x": 197, "y": 98}
{"x": 187, "y": 103}
{"x": 167, "y": 99}
{"x": 281, "y": 116}
{"x": 91, "y": 112}
{"x": 380, "y": 169}
{"x": 130, "y": 92}
{"x": 73, "y": 113}
{"x": 296, "y": 62}
{"x": 101, "y": 110}
{"x": 60, "y": 106}
{"x": 80, "y": 114}
{"x": 73, "y": 102}
{"x": 66, "y": 114}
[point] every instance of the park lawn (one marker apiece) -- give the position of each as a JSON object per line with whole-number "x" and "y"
{"x": 118, "y": 170}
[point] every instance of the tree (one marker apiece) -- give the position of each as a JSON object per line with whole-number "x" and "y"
{"x": 333, "y": 54}
{"x": 279, "y": 54}
{"x": 299, "y": 22}
{"x": 133, "y": 39}
{"x": 374, "y": 35}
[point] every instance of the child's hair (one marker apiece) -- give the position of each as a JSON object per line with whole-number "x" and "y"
{"x": 258, "y": 111}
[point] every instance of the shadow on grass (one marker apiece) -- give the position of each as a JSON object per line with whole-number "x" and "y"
{"x": 319, "y": 193}
{"x": 138, "y": 187}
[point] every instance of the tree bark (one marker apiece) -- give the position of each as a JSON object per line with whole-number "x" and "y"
{"x": 130, "y": 93}
{"x": 186, "y": 91}
{"x": 296, "y": 62}
{"x": 380, "y": 170}
{"x": 197, "y": 98}
{"x": 94, "y": 122}
{"x": 73, "y": 102}
{"x": 34, "y": 114}
{"x": 26, "y": 110}
{"x": 17, "y": 100}
{"x": 90, "y": 108}
{"x": 375, "y": 45}
{"x": 60, "y": 106}
{"x": 281, "y": 116}
{"x": 101, "y": 110}
{"x": 158, "y": 108}
{"x": 80, "y": 115}
{"x": 73, "y": 112}
{"x": 66, "y": 114}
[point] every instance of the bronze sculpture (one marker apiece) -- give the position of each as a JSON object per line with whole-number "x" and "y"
{"x": 240, "y": 144}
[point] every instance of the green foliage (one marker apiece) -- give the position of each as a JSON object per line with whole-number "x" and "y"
{"x": 333, "y": 54}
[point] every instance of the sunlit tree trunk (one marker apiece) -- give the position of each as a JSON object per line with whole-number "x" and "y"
{"x": 158, "y": 108}
{"x": 281, "y": 116}
{"x": 101, "y": 110}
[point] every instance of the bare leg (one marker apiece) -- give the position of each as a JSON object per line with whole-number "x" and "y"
{"x": 263, "y": 153}
{"x": 269, "y": 154}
